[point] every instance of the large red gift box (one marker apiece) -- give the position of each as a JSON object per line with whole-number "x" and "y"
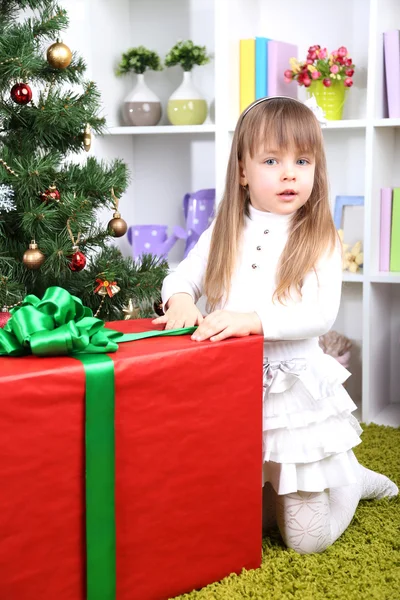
{"x": 188, "y": 468}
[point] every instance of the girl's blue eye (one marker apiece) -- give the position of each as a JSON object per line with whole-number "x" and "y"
{"x": 270, "y": 161}
{"x": 303, "y": 161}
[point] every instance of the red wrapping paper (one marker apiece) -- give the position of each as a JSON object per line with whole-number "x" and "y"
{"x": 188, "y": 426}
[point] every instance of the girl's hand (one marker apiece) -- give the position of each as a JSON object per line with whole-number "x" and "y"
{"x": 181, "y": 312}
{"x": 222, "y": 324}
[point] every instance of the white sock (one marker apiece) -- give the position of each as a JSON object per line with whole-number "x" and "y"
{"x": 375, "y": 486}
{"x": 304, "y": 521}
{"x": 313, "y": 521}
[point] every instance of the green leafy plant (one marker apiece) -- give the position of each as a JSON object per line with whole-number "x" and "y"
{"x": 138, "y": 60}
{"x": 187, "y": 55}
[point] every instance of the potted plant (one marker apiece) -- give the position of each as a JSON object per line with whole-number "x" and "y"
{"x": 326, "y": 76}
{"x": 187, "y": 106}
{"x": 141, "y": 106}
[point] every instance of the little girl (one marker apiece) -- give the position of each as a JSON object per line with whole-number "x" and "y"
{"x": 271, "y": 264}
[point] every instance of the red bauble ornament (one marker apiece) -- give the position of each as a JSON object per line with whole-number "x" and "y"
{"x": 78, "y": 261}
{"x": 21, "y": 93}
{"x": 51, "y": 194}
{"x": 4, "y": 316}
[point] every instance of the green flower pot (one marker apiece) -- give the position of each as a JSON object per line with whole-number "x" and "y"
{"x": 330, "y": 99}
{"x": 186, "y": 106}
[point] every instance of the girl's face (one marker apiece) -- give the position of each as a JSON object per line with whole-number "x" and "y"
{"x": 279, "y": 181}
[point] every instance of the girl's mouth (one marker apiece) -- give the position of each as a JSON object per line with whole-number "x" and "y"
{"x": 287, "y": 195}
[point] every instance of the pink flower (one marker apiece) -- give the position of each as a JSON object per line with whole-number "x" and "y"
{"x": 287, "y": 80}
{"x": 334, "y": 65}
{"x": 348, "y": 82}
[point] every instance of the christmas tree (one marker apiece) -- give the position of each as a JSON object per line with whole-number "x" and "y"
{"x": 48, "y": 201}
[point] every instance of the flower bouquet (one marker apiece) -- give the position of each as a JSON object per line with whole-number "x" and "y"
{"x": 326, "y": 76}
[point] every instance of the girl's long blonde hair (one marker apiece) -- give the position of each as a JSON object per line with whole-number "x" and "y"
{"x": 284, "y": 123}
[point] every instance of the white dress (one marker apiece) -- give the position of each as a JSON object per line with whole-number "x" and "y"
{"x": 308, "y": 428}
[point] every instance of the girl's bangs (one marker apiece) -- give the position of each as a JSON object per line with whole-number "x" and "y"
{"x": 288, "y": 127}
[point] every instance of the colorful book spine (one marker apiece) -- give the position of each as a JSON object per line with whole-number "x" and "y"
{"x": 395, "y": 237}
{"x": 391, "y": 43}
{"x": 385, "y": 229}
{"x": 247, "y": 73}
{"x": 261, "y": 67}
{"x": 279, "y": 54}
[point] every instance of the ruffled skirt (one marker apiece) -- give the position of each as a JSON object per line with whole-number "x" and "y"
{"x": 308, "y": 428}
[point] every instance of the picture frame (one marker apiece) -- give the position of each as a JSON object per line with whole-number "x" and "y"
{"x": 340, "y": 203}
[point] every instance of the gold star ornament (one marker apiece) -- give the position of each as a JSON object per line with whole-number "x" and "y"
{"x": 131, "y": 311}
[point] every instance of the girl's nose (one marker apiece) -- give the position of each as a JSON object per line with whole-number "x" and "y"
{"x": 288, "y": 174}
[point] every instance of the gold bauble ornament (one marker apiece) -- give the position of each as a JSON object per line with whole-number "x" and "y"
{"x": 59, "y": 56}
{"x": 33, "y": 258}
{"x": 87, "y": 138}
{"x": 117, "y": 226}
{"x": 131, "y": 311}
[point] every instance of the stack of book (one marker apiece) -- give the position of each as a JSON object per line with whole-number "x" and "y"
{"x": 262, "y": 66}
{"x": 391, "y": 50}
{"x": 389, "y": 257}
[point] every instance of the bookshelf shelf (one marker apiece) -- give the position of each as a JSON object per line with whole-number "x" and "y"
{"x": 353, "y": 277}
{"x": 390, "y": 415}
{"x": 385, "y": 278}
{"x": 347, "y": 124}
{"x": 161, "y": 130}
{"x": 386, "y": 123}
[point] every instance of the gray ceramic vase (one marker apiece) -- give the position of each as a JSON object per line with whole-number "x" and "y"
{"x": 141, "y": 107}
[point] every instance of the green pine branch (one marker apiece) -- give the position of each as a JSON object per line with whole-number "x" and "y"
{"x": 37, "y": 141}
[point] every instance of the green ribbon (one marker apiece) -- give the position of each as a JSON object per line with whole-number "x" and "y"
{"x": 60, "y": 325}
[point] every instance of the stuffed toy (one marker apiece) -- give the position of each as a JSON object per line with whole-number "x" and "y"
{"x": 353, "y": 259}
{"x": 336, "y": 345}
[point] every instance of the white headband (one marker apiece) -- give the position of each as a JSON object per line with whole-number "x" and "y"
{"x": 311, "y": 103}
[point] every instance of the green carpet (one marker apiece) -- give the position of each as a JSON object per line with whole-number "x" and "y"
{"x": 363, "y": 564}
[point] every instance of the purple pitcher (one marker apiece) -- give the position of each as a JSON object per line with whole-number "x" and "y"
{"x": 153, "y": 239}
{"x": 198, "y": 209}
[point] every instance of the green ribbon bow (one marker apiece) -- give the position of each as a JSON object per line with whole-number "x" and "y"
{"x": 60, "y": 325}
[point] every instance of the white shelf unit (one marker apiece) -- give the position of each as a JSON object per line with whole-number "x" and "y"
{"x": 363, "y": 150}
{"x": 161, "y": 129}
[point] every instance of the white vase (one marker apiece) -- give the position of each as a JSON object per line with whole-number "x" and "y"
{"x": 141, "y": 106}
{"x": 187, "y": 106}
